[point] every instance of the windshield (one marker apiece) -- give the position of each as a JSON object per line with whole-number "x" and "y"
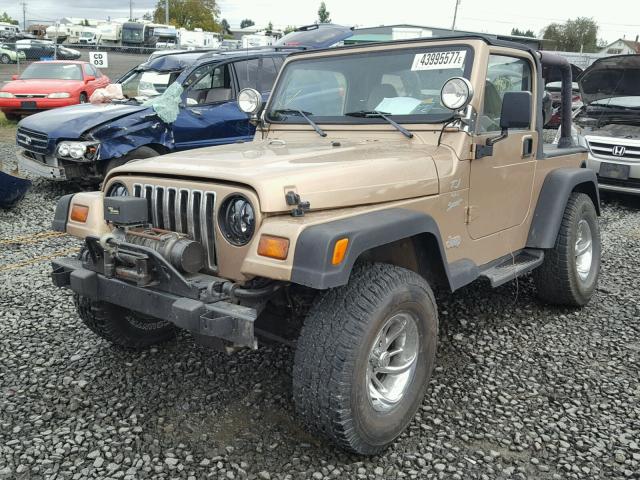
{"x": 56, "y": 71}
{"x": 147, "y": 83}
{"x": 403, "y": 83}
{"x": 132, "y": 34}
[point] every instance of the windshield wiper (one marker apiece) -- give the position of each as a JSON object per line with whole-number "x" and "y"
{"x": 377, "y": 114}
{"x": 303, "y": 114}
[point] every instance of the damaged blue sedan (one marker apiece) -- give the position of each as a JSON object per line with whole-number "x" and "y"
{"x": 173, "y": 102}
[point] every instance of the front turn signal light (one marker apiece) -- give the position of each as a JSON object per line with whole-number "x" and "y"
{"x": 79, "y": 213}
{"x": 339, "y": 251}
{"x": 273, "y": 247}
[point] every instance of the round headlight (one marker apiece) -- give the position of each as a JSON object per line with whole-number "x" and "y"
{"x": 249, "y": 100}
{"x": 117, "y": 189}
{"x": 77, "y": 150}
{"x": 237, "y": 220}
{"x": 63, "y": 149}
{"x": 456, "y": 93}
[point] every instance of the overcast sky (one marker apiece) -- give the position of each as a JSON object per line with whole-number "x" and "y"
{"x": 616, "y": 18}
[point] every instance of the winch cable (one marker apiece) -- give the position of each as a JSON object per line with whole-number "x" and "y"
{"x": 41, "y": 259}
{"x": 30, "y": 240}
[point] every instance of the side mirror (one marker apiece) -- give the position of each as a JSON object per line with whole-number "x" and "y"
{"x": 515, "y": 113}
{"x": 14, "y": 77}
{"x": 516, "y": 110}
{"x": 250, "y": 101}
{"x": 190, "y": 102}
{"x": 89, "y": 78}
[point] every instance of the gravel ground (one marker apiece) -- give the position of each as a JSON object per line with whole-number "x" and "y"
{"x": 521, "y": 390}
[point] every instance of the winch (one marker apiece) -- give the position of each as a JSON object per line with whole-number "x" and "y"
{"x": 130, "y": 216}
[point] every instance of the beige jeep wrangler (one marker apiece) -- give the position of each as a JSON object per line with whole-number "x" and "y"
{"x": 377, "y": 172}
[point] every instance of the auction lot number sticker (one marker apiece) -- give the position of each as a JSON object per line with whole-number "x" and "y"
{"x": 439, "y": 60}
{"x": 99, "y": 59}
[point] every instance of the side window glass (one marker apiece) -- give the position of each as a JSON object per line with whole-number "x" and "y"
{"x": 209, "y": 84}
{"x": 268, "y": 74}
{"x": 88, "y": 70}
{"x": 247, "y": 71}
{"x": 504, "y": 74}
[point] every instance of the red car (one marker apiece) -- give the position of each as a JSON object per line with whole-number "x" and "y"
{"x": 45, "y": 85}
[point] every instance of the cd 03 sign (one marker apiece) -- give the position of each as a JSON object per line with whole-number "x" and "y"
{"x": 99, "y": 59}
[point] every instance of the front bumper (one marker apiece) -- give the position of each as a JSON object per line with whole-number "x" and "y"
{"x": 17, "y": 105}
{"x": 189, "y": 303}
{"x": 630, "y": 185}
{"x": 41, "y": 169}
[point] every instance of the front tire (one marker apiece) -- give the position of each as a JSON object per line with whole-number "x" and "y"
{"x": 569, "y": 273}
{"x": 365, "y": 356}
{"x": 123, "y": 328}
{"x": 4, "y": 58}
{"x": 83, "y": 98}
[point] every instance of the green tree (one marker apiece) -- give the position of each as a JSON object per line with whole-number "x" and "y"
{"x": 289, "y": 29}
{"x": 522, "y": 33}
{"x": 190, "y": 14}
{"x": 247, "y": 22}
{"x": 148, "y": 16}
{"x": 270, "y": 27}
{"x": 323, "y": 14}
{"x": 7, "y": 19}
{"x": 576, "y": 35}
{"x": 224, "y": 25}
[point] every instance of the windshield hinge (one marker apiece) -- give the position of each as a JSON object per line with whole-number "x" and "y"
{"x": 470, "y": 214}
{"x": 293, "y": 199}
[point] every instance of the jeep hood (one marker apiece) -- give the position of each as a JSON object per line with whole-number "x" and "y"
{"x": 611, "y": 77}
{"x": 71, "y": 122}
{"x": 327, "y": 176}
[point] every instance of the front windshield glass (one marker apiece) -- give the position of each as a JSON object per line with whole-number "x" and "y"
{"x": 403, "y": 83}
{"x": 147, "y": 83}
{"x": 55, "y": 71}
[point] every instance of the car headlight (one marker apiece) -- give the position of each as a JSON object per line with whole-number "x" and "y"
{"x": 59, "y": 95}
{"x": 118, "y": 189}
{"x": 6, "y": 95}
{"x": 77, "y": 150}
{"x": 237, "y": 220}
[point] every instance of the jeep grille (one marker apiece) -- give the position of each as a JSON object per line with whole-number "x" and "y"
{"x": 184, "y": 211}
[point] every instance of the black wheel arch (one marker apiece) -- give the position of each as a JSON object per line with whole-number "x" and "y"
{"x": 375, "y": 236}
{"x": 552, "y": 201}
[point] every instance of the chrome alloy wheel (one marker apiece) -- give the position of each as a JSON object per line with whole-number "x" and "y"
{"x": 584, "y": 250}
{"x": 392, "y": 361}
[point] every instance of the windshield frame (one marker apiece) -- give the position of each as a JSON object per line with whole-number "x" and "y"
{"x": 345, "y": 120}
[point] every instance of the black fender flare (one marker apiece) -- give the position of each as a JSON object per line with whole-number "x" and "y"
{"x": 312, "y": 261}
{"x": 552, "y": 201}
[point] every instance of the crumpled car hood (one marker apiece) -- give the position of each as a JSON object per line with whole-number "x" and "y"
{"x": 327, "y": 176}
{"x": 611, "y": 77}
{"x": 71, "y": 122}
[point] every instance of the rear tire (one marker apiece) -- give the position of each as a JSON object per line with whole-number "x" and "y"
{"x": 13, "y": 117}
{"x": 567, "y": 276}
{"x": 384, "y": 318}
{"x": 123, "y": 328}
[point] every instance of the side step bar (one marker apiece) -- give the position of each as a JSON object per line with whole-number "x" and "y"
{"x": 512, "y": 267}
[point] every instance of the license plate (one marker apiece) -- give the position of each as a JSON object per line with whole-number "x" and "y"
{"x": 615, "y": 170}
{"x": 28, "y": 105}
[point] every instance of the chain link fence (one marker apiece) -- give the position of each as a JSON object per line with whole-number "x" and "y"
{"x": 16, "y": 56}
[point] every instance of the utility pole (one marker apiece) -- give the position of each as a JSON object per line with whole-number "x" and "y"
{"x": 166, "y": 12}
{"x": 24, "y": 16}
{"x": 455, "y": 15}
{"x": 130, "y": 10}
